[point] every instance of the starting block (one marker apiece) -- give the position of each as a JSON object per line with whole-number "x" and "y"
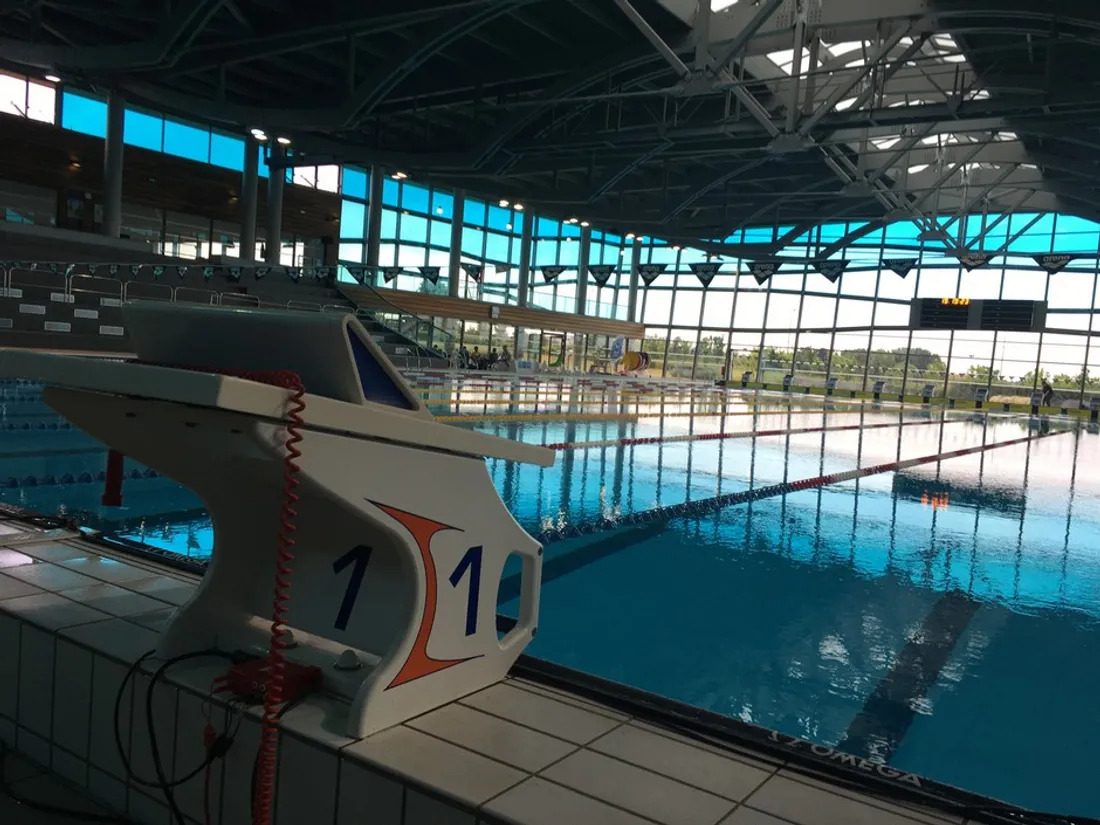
{"x": 877, "y": 389}
{"x": 926, "y": 393}
{"x": 1094, "y": 409}
{"x": 830, "y": 385}
{"x": 746, "y": 377}
{"x": 981, "y": 394}
{"x": 401, "y": 538}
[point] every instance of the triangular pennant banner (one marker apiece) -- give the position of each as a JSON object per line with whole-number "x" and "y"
{"x": 650, "y": 272}
{"x": 181, "y": 271}
{"x": 390, "y": 272}
{"x": 705, "y": 272}
{"x": 262, "y": 271}
{"x": 325, "y": 272}
{"x": 207, "y": 273}
{"x": 234, "y": 273}
{"x": 113, "y": 269}
{"x": 473, "y": 271}
{"x": 356, "y": 273}
{"x": 762, "y": 270}
{"x": 53, "y": 267}
{"x": 158, "y": 270}
{"x": 430, "y": 273}
{"x": 900, "y": 266}
{"x": 294, "y": 273}
{"x": 502, "y": 269}
{"x": 831, "y": 269}
{"x": 973, "y": 260}
{"x": 549, "y": 273}
{"x": 135, "y": 268}
{"x": 69, "y": 269}
{"x": 91, "y": 269}
{"x": 601, "y": 273}
{"x": 1054, "y": 263}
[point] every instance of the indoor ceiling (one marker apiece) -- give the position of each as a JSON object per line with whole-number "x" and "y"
{"x": 664, "y": 117}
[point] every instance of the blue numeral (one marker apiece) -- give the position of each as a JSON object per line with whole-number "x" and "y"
{"x": 360, "y": 555}
{"x": 472, "y": 562}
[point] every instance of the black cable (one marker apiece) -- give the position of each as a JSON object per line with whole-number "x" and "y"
{"x": 42, "y": 807}
{"x": 162, "y": 783}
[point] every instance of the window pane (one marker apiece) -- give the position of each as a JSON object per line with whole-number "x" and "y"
{"x": 353, "y": 218}
{"x": 390, "y": 192}
{"x": 414, "y": 229}
{"x": 328, "y": 178}
{"x": 389, "y": 224}
{"x": 440, "y": 233}
{"x": 146, "y": 131}
{"x": 186, "y": 141}
{"x": 84, "y": 114}
{"x": 13, "y": 95}
{"x": 473, "y": 212}
{"x": 354, "y": 183}
{"x": 227, "y": 151}
{"x": 41, "y": 102}
{"x": 443, "y": 204}
{"x": 499, "y": 218}
{"x": 305, "y": 176}
{"x": 414, "y": 198}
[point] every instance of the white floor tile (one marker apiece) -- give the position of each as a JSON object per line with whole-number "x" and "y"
{"x": 720, "y": 775}
{"x": 367, "y": 797}
{"x": 449, "y": 769}
{"x": 750, "y": 816}
{"x": 541, "y": 713}
{"x": 807, "y": 805}
{"x": 320, "y": 719}
{"x": 14, "y": 588}
{"x": 107, "y": 570}
{"x": 306, "y": 783}
{"x": 645, "y": 793}
{"x": 112, "y": 599}
{"x": 53, "y": 551}
{"x": 538, "y": 802}
{"x": 9, "y": 665}
{"x": 164, "y": 588}
{"x": 13, "y": 558}
{"x": 491, "y": 736}
{"x": 424, "y": 810}
{"x": 36, "y": 655}
{"x": 923, "y": 814}
{"x": 116, "y": 638}
{"x": 568, "y": 698}
{"x": 48, "y": 576}
{"x": 156, "y": 620}
{"x": 50, "y": 611}
{"x": 72, "y": 699}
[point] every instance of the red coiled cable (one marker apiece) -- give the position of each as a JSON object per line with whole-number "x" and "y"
{"x": 264, "y": 789}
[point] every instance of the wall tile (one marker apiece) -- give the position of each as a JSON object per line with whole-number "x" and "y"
{"x": 190, "y": 753}
{"x": 9, "y": 665}
{"x": 237, "y": 774}
{"x": 107, "y": 677}
{"x": 105, "y": 788}
{"x": 306, "y": 783}
{"x": 50, "y": 611}
{"x": 33, "y": 746}
{"x": 367, "y": 797}
{"x": 72, "y": 697}
{"x": 7, "y": 732}
{"x": 146, "y": 810}
{"x": 36, "y": 655}
{"x": 49, "y": 576}
{"x": 117, "y": 638}
{"x": 164, "y": 698}
{"x": 14, "y": 588}
{"x": 69, "y": 767}
{"x": 425, "y": 810}
{"x": 112, "y": 599}
{"x": 538, "y": 802}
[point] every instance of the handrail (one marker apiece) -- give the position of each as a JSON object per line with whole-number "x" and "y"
{"x": 433, "y": 330}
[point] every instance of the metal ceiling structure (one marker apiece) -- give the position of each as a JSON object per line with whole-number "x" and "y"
{"x": 682, "y": 119}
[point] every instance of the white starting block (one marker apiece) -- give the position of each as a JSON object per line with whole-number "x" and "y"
{"x": 830, "y": 385}
{"x": 401, "y": 537}
{"x": 927, "y": 392}
{"x": 981, "y": 395}
{"x": 877, "y": 388}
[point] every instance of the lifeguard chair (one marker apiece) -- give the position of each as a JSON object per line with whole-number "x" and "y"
{"x": 400, "y": 536}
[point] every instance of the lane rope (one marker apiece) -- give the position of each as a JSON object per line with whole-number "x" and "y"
{"x": 534, "y": 417}
{"x": 677, "y": 439}
{"x": 691, "y": 509}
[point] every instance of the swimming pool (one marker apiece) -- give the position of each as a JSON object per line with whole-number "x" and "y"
{"x": 943, "y": 618}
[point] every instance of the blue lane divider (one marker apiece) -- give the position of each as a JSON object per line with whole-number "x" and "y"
{"x": 689, "y": 509}
{"x": 84, "y": 478}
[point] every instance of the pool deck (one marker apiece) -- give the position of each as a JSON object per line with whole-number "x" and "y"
{"x": 74, "y": 616}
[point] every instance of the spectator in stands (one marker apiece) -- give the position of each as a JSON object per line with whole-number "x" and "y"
{"x": 464, "y": 358}
{"x": 477, "y": 360}
{"x": 1048, "y": 393}
{"x": 505, "y": 359}
{"x": 493, "y": 357}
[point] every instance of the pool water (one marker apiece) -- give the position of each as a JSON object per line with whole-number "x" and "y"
{"x": 943, "y": 618}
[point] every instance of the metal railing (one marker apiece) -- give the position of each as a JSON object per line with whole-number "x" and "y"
{"x": 421, "y": 331}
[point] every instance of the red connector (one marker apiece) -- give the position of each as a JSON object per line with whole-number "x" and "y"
{"x": 250, "y": 680}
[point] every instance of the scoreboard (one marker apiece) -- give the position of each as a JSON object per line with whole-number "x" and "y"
{"x": 978, "y": 313}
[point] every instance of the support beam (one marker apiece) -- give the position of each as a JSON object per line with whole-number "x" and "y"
{"x": 632, "y": 295}
{"x": 582, "y": 270}
{"x": 793, "y": 107}
{"x": 454, "y": 257}
{"x": 763, "y": 12}
{"x": 276, "y": 182}
{"x": 374, "y": 221}
{"x": 249, "y": 197}
{"x": 112, "y": 165}
{"x": 525, "y": 259}
{"x": 655, "y": 40}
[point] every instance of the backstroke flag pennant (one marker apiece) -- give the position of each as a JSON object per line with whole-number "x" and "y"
{"x": 900, "y": 266}
{"x": 430, "y": 273}
{"x": 356, "y": 273}
{"x": 473, "y": 271}
{"x": 549, "y": 273}
{"x": 261, "y": 272}
{"x": 1054, "y": 263}
{"x": 181, "y": 271}
{"x": 832, "y": 269}
{"x": 973, "y": 260}
{"x": 207, "y": 273}
{"x": 390, "y": 272}
{"x": 294, "y": 273}
{"x": 762, "y": 270}
{"x": 705, "y": 272}
{"x": 649, "y": 272}
{"x": 601, "y": 273}
{"x": 234, "y": 273}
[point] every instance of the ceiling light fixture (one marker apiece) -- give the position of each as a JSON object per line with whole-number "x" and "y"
{"x": 630, "y": 236}
{"x": 518, "y": 207}
{"x": 584, "y": 223}
{"x": 398, "y": 176}
{"x": 259, "y": 134}
{"x": 283, "y": 141}
{"x": 52, "y": 78}
{"x": 503, "y": 202}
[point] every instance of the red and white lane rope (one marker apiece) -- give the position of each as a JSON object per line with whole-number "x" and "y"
{"x": 700, "y": 507}
{"x": 675, "y": 439}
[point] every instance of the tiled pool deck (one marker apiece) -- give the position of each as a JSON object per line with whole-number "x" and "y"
{"x": 74, "y": 617}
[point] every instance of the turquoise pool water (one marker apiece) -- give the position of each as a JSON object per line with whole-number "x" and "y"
{"x": 944, "y": 618}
